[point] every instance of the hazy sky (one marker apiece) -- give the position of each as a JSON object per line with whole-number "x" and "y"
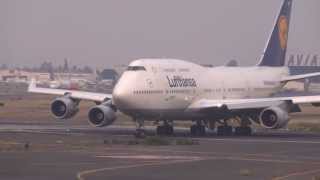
{"x": 109, "y": 32}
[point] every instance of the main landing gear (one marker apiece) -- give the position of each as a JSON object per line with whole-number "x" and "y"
{"x": 243, "y": 130}
{"x": 224, "y": 130}
{"x": 140, "y": 131}
{"x": 166, "y": 129}
{"x": 198, "y": 129}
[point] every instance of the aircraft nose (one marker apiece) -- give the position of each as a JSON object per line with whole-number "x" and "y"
{"x": 119, "y": 97}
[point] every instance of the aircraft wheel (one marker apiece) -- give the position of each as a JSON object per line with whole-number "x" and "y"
{"x": 202, "y": 130}
{"x": 165, "y": 130}
{"x": 248, "y": 131}
{"x": 243, "y": 131}
{"x": 140, "y": 133}
{"x": 193, "y": 130}
{"x": 170, "y": 130}
{"x": 224, "y": 131}
{"x": 160, "y": 130}
{"x": 198, "y": 130}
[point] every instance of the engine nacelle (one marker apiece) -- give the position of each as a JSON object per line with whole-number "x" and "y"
{"x": 102, "y": 115}
{"x": 64, "y": 108}
{"x": 274, "y": 118}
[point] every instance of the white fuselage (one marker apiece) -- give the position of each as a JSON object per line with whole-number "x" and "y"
{"x": 166, "y": 87}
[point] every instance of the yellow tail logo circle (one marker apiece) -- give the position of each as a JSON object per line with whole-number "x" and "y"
{"x": 283, "y": 31}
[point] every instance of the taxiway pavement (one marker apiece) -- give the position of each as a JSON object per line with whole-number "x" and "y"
{"x": 81, "y": 153}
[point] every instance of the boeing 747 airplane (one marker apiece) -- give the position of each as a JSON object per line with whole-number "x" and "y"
{"x": 168, "y": 90}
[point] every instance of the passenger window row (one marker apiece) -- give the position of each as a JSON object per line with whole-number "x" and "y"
{"x": 148, "y": 92}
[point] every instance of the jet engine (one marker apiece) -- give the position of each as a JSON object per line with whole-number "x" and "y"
{"x": 64, "y": 107}
{"x": 102, "y": 115}
{"x": 274, "y": 118}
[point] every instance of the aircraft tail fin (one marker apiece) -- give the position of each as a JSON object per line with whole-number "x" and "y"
{"x": 275, "y": 51}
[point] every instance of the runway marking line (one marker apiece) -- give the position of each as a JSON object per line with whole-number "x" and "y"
{"x": 302, "y": 173}
{"x": 149, "y": 157}
{"x": 261, "y": 141}
{"x": 81, "y": 175}
{"x": 214, "y": 153}
{"x": 192, "y": 152}
{"x": 233, "y": 158}
{"x": 262, "y": 160}
{"x": 64, "y": 164}
{"x": 238, "y": 157}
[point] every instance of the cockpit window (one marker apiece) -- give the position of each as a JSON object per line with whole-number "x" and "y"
{"x": 136, "y": 68}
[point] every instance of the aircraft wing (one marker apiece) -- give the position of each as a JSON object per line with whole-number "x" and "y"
{"x": 98, "y": 97}
{"x": 299, "y": 77}
{"x": 241, "y": 104}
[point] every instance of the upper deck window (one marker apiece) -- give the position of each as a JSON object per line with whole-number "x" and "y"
{"x": 136, "y": 68}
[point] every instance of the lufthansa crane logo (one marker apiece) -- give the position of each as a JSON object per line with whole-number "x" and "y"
{"x": 283, "y": 31}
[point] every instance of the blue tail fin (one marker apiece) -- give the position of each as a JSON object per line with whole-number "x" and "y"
{"x": 275, "y": 51}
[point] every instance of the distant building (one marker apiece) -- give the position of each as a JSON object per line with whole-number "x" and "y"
{"x": 42, "y": 77}
{"x": 108, "y": 77}
{"x": 14, "y": 75}
{"x": 74, "y": 76}
{"x": 109, "y": 74}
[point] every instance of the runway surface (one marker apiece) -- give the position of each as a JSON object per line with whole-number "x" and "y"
{"x": 57, "y": 152}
